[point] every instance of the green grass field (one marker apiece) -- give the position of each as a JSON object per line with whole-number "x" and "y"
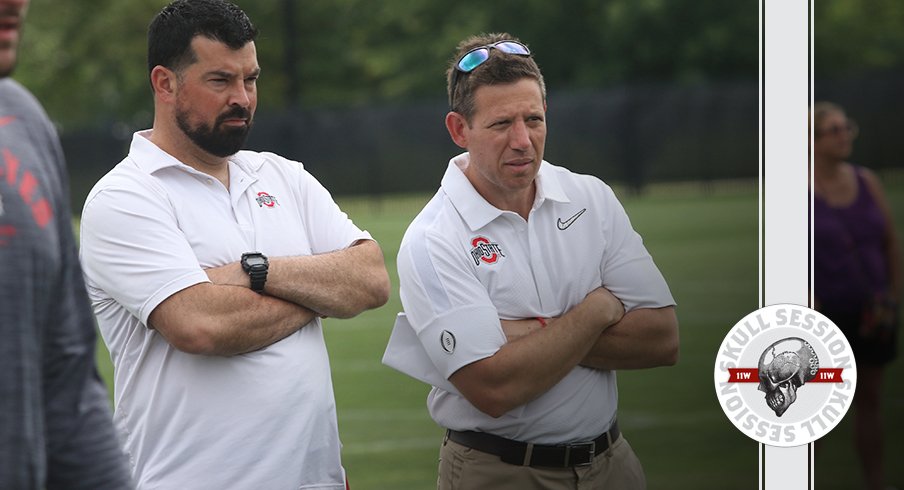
{"x": 706, "y": 246}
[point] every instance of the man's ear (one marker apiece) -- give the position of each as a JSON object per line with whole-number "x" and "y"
{"x": 164, "y": 83}
{"x": 457, "y": 126}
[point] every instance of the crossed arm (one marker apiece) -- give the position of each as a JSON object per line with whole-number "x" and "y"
{"x": 528, "y": 366}
{"x": 225, "y": 317}
{"x": 596, "y": 333}
{"x": 892, "y": 244}
{"x": 643, "y": 338}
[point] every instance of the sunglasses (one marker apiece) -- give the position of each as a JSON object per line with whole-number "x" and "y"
{"x": 478, "y": 56}
{"x": 850, "y": 129}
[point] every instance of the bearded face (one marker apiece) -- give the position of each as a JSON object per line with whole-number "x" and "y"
{"x": 215, "y": 95}
{"x": 220, "y": 139}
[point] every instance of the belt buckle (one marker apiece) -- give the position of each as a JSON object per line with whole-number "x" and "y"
{"x": 591, "y": 452}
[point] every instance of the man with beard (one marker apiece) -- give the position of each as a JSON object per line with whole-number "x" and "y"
{"x": 55, "y": 427}
{"x": 209, "y": 269}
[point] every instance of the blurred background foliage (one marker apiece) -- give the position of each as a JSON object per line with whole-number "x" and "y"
{"x": 86, "y": 60}
{"x": 854, "y": 38}
{"x": 641, "y": 91}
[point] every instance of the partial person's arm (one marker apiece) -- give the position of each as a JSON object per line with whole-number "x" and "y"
{"x": 83, "y": 450}
{"x": 123, "y": 254}
{"x": 525, "y": 368}
{"x": 643, "y": 338}
{"x": 224, "y": 320}
{"x": 892, "y": 245}
{"x": 338, "y": 284}
{"x": 82, "y": 447}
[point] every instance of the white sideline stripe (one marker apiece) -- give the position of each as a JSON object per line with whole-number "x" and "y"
{"x": 415, "y": 414}
{"x": 356, "y": 366}
{"x": 391, "y": 445}
{"x": 706, "y": 286}
{"x": 337, "y": 327}
{"x": 643, "y": 421}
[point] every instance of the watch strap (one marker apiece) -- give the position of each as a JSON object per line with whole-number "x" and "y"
{"x": 258, "y": 271}
{"x": 258, "y": 279}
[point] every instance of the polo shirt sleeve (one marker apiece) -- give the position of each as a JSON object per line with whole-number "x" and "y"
{"x": 133, "y": 250}
{"x": 328, "y": 227}
{"x": 627, "y": 268}
{"x": 448, "y": 308}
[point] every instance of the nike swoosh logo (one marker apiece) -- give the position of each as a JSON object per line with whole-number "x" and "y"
{"x": 568, "y": 222}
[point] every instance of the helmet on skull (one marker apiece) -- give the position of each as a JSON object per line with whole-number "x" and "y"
{"x": 783, "y": 368}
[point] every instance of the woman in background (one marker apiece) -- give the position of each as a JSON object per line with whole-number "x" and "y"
{"x": 857, "y": 277}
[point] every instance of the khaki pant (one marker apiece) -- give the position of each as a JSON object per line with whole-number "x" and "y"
{"x": 463, "y": 468}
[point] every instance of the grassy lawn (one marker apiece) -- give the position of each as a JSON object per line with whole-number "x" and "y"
{"x": 706, "y": 247}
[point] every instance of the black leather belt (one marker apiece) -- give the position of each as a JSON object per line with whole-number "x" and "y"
{"x": 525, "y": 454}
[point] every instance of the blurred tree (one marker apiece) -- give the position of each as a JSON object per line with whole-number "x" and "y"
{"x": 86, "y": 60}
{"x": 852, "y": 38}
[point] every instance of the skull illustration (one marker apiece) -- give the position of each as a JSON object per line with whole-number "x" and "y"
{"x": 784, "y": 367}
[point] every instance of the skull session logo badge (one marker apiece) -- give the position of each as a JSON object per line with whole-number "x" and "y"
{"x": 782, "y": 373}
{"x": 785, "y": 375}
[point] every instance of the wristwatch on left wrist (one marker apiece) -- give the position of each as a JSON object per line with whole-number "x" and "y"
{"x": 256, "y": 265}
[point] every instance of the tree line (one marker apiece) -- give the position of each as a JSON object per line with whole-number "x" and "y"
{"x": 86, "y": 59}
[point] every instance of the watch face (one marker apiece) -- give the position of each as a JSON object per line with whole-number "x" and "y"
{"x": 255, "y": 261}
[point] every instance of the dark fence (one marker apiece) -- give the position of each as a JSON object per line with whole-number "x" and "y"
{"x": 633, "y": 136}
{"x": 876, "y": 102}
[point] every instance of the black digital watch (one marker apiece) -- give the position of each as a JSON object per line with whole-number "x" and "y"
{"x": 256, "y": 265}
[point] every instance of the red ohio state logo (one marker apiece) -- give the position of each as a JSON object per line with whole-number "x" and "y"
{"x": 264, "y": 199}
{"x": 485, "y": 251}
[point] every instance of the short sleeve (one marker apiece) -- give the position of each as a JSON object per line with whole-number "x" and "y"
{"x": 627, "y": 268}
{"x": 131, "y": 236}
{"x": 448, "y": 308}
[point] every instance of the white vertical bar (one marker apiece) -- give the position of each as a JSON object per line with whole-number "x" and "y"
{"x": 785, "y": 83}
{"x": 786, "y": 173}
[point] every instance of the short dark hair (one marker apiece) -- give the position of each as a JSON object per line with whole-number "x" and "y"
{"x": 172, "y": 30}
{"x": 500, "y": 68}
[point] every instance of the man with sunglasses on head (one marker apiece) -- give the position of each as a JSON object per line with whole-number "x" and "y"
{"x": 527, "y": 288}
{"x": 209, "y": 269}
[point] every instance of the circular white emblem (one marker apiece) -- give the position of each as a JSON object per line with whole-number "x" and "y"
{"x": 447, "y": 341}
{"x": 785, "y": 375}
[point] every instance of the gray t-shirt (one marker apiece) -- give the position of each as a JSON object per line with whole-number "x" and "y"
{"x": 56, "y": 428}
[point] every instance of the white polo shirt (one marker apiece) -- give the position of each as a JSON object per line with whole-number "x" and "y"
{"x": 464, "y": 264}
{"x": 266, "y": 419}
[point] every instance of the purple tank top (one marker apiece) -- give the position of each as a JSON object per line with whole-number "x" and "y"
{"x": 848, "y": 251}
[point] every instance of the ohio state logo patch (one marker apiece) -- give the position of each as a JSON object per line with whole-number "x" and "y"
{"x": 785, "y": 375}
{"x": 264, "y": 199}
{"x": 485, "y": 251}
